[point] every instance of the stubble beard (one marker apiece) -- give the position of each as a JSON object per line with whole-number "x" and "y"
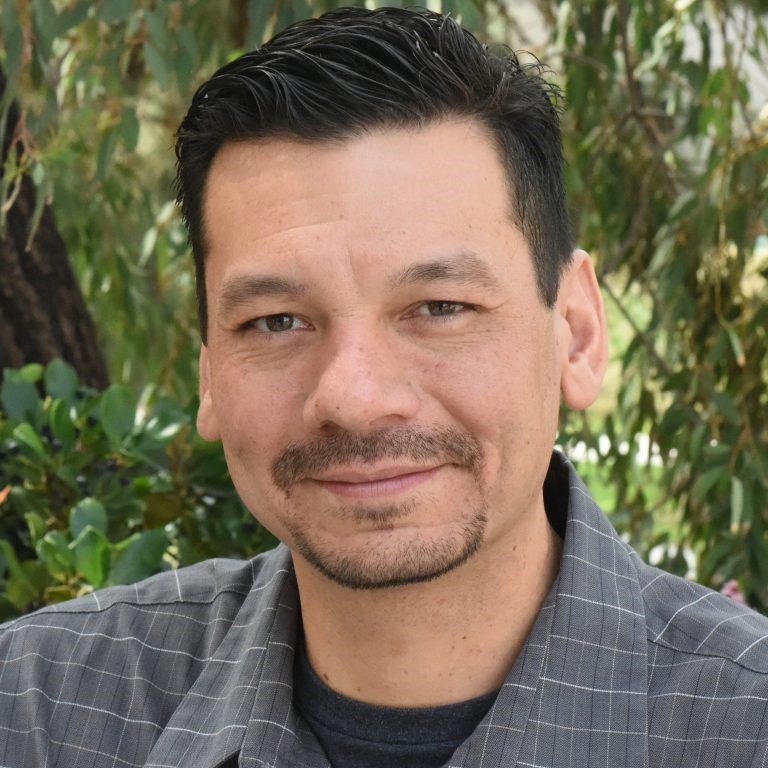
{"x": 394, "y": 564}
{"x": 387, "y": 563}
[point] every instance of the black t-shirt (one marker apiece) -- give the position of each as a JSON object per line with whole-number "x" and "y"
{"x": 358, "y": 735}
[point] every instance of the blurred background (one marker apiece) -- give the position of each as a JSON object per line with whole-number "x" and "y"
{"x": 665, "y": 124}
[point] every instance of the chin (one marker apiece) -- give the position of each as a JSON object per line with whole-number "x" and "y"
{"x": 383, "y": 564}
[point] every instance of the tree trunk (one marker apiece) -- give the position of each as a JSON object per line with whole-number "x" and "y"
{"x": 42, "y": 311}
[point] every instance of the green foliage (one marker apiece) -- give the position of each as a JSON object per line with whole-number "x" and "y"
{"x": 666, "y": 133}
{"x": 99, "y": 489}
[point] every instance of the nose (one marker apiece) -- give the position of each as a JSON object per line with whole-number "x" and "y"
{"x": 361, "y": 384}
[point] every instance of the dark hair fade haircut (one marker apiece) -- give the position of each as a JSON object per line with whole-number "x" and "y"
{"x": 354, "y": 70}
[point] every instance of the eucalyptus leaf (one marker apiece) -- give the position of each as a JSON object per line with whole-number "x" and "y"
{"x": 737, "y": 504}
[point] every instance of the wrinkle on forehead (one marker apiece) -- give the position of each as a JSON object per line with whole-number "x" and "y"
{"x": 465, "y": 268}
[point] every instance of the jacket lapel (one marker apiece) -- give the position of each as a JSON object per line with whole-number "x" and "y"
{"x": 250, "y": 670}
{"x": 577, "y": 695}
{"x": 591, "y": 702}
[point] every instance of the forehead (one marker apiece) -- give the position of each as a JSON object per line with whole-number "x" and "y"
{"x": 387, "y": 195}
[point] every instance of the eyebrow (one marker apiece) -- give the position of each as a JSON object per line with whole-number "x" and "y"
{"x": 238, "y": 291}
{"x": 465, "y": 268}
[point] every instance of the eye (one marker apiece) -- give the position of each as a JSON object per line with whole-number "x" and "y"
{"x": 277, "y": 323}
{"x": 441, "y": 308}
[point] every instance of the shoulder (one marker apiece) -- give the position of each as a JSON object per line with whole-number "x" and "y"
{"x": 707, "y": 674}
{"x": 188, "y": 589}
{"x": 181, "y": 614}
{"x": 689, "y": 619}
{"x": 121, "y": 660}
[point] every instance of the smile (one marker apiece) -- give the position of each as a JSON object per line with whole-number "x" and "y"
{"x": 360, "y": 484}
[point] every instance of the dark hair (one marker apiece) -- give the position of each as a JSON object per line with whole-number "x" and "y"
{"x": 353, "y": 70}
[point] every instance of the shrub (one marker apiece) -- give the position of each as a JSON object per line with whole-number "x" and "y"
{"x": 97, "y": 488}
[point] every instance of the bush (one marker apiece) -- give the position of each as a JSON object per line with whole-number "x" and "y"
{"x": 97, "y": 488}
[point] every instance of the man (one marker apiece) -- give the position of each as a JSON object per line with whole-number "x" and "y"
{"x": 391, "y": 313}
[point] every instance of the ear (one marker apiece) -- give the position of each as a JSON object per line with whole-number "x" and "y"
{"x": 584, "y": 345}
{"x": 207, "y": 423}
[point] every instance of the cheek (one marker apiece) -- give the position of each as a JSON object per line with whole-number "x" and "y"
{"x": 257, "y": 414}
{"x": 496, "y": 385}
{"x": 506, "y": 394}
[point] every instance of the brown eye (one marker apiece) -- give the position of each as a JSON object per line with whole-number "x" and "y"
{"x": 278, "y": 323}
{"x": 443, "y": 308}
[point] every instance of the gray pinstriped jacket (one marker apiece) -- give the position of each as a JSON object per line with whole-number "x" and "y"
{"x": 626, "y": 666}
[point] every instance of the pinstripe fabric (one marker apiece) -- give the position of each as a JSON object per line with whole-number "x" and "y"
{"x": 625, "y": 666}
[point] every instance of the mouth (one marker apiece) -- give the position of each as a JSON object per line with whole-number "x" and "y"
{"x": 367, "y": 483}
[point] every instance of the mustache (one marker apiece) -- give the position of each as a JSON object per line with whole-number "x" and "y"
{"x": 301, "y": 461}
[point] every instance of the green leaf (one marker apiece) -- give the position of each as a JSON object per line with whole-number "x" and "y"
{"x": 129, "y": 129}
{"x": 157, "y": 24}
{"x": 26, "y": 435}
{"x": 20, "y": 593}
{"x": 73, "y": 16}
{"x": 38, "y": 174}
{"x": 53, "y": 549}
{"x": 105, "y": 152}
{"x": 697, "y": 442}
{"x": 13, "y": 38}
{"x": 92, "y": 555}
{"x": 87, "y": 513}
{"x": 32, "y": 372}
{"x": 715, "y": 83}
{"x": 19, "y": 397}
{"x": 62, "y": 426}
{"x": 11, "y": 561}
{"x": 466, "y": 12}
{"x": 705, "y": 482}
{"x": 156, "y": 63}
{"x": 36, "y": 526}
{"x": 46, "y": 20}
{"x": 148, "y": 243}
{"x": 727, "y": 407}
{"x": 738, "y": 349}
{"x": 737, "y": 504}
{"x": 61, "y": 380}
{"x": 260, "y": 16}
{"x": 117, "y": 412}
{"x": 141, "y": 557}
{"x": 116, "y": 10}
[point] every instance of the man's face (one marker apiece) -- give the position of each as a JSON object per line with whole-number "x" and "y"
{"x": 379, "y": 367}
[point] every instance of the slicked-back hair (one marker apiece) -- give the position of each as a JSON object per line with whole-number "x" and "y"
{"x": 354, "y": 70}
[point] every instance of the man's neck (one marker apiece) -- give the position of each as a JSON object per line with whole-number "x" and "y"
{"x": 440, "y": 642}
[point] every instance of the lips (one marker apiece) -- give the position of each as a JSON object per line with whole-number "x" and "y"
{"x": 371, "y": 483}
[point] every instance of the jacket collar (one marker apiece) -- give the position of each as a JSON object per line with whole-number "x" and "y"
{"x": 247, "y": 683}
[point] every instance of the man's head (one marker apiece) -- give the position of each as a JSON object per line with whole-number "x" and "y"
{"x": 352, "y": 71}
{"x": 388, "y": 338}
